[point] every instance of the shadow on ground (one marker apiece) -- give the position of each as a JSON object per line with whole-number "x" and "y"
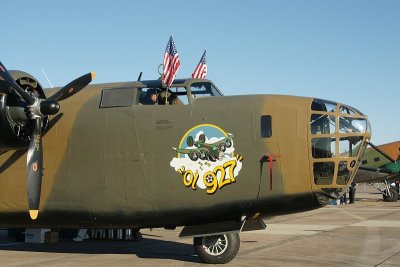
{"x": 147, "y": 248}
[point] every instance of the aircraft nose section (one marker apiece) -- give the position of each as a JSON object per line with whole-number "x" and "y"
{"x": 338, "y": 138}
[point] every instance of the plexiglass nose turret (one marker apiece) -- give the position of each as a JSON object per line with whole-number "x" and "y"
{"x": 338, "y": 135}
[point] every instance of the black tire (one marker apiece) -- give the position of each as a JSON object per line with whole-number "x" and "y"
{"x": 218, "y": 248}
{"x": 212, "y": 158}
{"x": 394, "y": 195}
{"x": 194, "y": 155}
{"x": 222, "y": 147}
{"x": 203, "y": 155}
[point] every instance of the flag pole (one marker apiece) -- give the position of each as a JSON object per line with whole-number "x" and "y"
{"x": 171, "y": 66}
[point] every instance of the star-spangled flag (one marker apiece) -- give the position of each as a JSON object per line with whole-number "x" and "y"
{"x": 171, "y": 62}
{"x": 201, "y": 70}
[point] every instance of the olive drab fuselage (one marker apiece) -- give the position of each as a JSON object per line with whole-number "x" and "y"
{"x": 113, "y": 160}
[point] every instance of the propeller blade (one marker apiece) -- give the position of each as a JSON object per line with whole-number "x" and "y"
{"x": 34, "y": 169}
{"x": 73, "y": 87}
{"x": 7, "y": 77}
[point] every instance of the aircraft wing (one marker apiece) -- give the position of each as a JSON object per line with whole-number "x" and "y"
{"x": 374, "y": 175}
{"x": 385, "y": 173}
{"x": 230, "y": 136}
{"x": 183, "y": 151}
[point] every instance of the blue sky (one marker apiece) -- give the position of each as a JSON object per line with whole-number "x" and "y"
{"x": 342, "y": 50}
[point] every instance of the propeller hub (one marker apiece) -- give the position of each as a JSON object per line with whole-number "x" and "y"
{"x": 49, "y": 107}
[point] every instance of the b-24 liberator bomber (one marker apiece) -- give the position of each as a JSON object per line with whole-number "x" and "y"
{"x": 103, "y": 158}
{"x": 204, "y": 150}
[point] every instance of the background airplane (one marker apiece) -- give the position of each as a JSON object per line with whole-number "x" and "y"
{"x": 380, "y": 167}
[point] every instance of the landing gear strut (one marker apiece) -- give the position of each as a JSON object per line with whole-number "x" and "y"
{"x": 389, "y": 194}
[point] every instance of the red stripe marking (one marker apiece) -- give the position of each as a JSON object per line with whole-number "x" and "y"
{"x": 271, "y": 159}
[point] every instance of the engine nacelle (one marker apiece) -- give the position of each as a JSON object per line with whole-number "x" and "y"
{"x": 15, "y": 124}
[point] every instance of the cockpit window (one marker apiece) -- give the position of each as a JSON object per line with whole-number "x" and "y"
{"x": 161, "y": 96}
{"x": 181, "y": 93}
{"x": 202, "y": 89}
{"x": 323, "y": 105}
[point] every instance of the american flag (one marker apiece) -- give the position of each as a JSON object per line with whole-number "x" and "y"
{"x": 171, "y": 62}
{"x": 201, "y": 70}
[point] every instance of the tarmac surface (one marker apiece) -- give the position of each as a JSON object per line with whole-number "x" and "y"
{"x": 366, "y": 233}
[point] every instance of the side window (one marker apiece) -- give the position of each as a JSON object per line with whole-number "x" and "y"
{"x": 117, "y": 97}
{"x": 266, "y": 126}
{"x": 145, "y": 96}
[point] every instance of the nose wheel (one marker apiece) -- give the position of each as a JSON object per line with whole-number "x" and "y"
{"x": 217, "y": 248}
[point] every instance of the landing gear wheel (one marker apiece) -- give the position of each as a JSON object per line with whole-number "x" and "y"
{"x": 394, "y": 195}
{"x": 203, "y": 155}
{"x": 217, "y": 248}
{"x": 212, "y": 158}
{"x": 194, "y": 155}
{"x": 222, "y": 147}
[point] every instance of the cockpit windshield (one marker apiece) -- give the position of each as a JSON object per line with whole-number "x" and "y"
{"x": 181, "y": 93}
{"x": 201, "y": 89}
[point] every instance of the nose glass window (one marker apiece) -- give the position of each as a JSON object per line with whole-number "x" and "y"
{"x": 349, "y": 110}
{"x": 323, "y": 124}
{"x": 323, "y": 147}
{"x": 323, "y": 173}
{"x": 349, "y": 146}
{"x": 343, "y": 173}
{"x": 323, "y": 105}
{"x": 352, "y": 125}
